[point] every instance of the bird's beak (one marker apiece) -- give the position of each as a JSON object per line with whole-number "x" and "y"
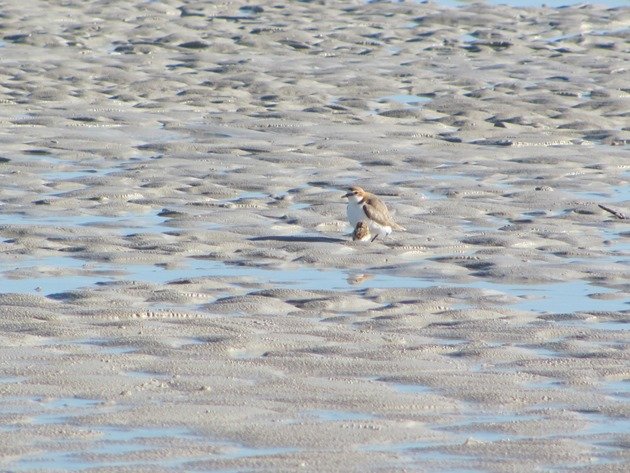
{"x": 347, "y": 195}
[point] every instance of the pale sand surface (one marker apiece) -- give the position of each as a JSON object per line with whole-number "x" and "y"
{"x": 178, "y": 287}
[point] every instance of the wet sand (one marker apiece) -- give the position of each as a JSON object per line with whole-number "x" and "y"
{"x": 179, "y": 288}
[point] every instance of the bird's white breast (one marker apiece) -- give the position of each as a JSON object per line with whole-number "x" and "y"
{"x": 355, "y": 213}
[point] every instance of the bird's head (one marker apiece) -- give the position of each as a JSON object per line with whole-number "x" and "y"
{"x": 355, "y": 194}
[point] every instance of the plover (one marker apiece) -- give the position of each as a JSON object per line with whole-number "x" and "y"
{"x": 366, "y": 207}
{"x": 361, "y": 232}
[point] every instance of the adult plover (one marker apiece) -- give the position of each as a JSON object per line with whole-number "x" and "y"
{"x": 366, "y": 207}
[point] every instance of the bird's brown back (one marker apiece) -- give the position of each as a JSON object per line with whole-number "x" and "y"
{"x": 376, "y": 209}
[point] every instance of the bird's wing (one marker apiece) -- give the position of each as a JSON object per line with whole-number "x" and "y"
{"x": 377, "y": 211}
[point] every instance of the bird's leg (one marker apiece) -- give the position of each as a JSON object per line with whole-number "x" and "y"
{"x": 375, "y": 237}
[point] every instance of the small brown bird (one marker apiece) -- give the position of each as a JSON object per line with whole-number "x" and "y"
{"x": 364, "y": 206}
{"x": 361, "y": 232}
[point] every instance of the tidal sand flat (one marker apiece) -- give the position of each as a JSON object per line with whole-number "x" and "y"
{"x": 179, "y": 288}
